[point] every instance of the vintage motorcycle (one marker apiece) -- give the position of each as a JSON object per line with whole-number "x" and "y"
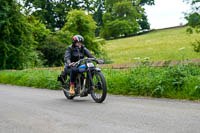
{"x": 89, "y": 80}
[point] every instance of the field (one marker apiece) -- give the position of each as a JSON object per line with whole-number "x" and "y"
{"x": 160, "y": 45}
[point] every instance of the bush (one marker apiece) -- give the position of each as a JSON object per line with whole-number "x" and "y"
{"x": 53, "y": 51}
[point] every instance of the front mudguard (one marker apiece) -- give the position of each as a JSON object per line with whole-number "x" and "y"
{"x": 97, "y": 69}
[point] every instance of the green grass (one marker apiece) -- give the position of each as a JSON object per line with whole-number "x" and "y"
{"x": 158, "y": 45}
{"x": 180, "y": 82}
{"x": 31, "y": 78}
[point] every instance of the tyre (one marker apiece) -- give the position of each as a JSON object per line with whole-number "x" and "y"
{"x": 67, "y": 95}
{"x": 99, "y": 91}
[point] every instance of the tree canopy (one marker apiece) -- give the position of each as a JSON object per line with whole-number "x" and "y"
{"x": 52, "y": 12}
{"x": 124, "y": 18}
{"x": 79, "y": 23}
{"x": 16, "y": 43}
{"x": 193, "y": 18}
{"x": 37, "y": 32}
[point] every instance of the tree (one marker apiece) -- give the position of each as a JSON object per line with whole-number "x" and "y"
{"x": 98, "y": 15}
{"x": 78, "y": 22}
{"x": 39, "y": 30}
{"x": 138, "y": 5}
{"x": 53, "y": 12}
{"x": 193, "y": 19}
{"x": 120, "y": 19}
{"x": 16, "y": 40}
{"x": 44, "y": 11}
{"x": 147, "y": 2}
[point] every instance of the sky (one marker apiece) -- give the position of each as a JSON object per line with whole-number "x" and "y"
{"x": 166, "y": 13}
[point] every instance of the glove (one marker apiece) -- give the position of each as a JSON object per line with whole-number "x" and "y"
{"x": 100, "y": 61}
{"x": 72, "y": 64}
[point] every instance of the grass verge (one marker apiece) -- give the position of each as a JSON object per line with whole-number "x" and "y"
{"x": 177, "y": 82}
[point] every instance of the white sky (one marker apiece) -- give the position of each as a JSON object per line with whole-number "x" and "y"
{"x": 166, "y": 13}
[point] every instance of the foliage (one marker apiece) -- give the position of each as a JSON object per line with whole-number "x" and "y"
{"x": 160, "y": 45}
{"x": 53, "y": 12}
{"x": 143, "y": 22}
{"x": 98, "y": 15}
{"x": 39, "y": 78}
{"x": 79, "y": 23}
{"x": 147, "y": 2}
{"x": 193, "y": 19}
{"x": 44, "y": 10}
{"x": 169, "y": 82}
{"x": 196, "y": 46}
{"x": 194, "y": 22}
{"x": 181, "y": 82}
{"x": 128, "y": 15}
{"x": 53, "y": 48}
{"x": 16, "y": 43}
{"x": 118, "y": 28}
{"x": 40, "y": 32}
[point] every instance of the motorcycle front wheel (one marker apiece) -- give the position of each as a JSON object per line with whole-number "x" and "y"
{"x": 99, "y": 91}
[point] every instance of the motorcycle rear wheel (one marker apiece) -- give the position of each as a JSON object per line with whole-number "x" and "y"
{"x": 66, "y": 88}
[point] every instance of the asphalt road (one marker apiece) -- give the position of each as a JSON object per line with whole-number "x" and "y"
{"x": 30, "y": 110}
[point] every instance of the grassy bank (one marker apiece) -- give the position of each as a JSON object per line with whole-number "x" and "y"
{"x": 181, "y": 82}
{"x": 171, "y": 44}
{"x": 31, "y": 78}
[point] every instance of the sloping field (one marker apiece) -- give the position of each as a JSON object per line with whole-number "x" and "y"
{"x": 160, "y": 45}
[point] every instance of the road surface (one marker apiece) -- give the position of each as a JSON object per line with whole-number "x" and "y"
{"x": 30, "y": 110}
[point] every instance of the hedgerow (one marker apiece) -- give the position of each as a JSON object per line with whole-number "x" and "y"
{"x": 180, "y": 82}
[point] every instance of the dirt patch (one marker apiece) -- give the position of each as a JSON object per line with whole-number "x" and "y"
{"x": 132, "y": 65}
{"x": 154, "y": 64}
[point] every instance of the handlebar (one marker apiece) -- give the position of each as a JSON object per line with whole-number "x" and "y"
{"x": 85, "y": 59}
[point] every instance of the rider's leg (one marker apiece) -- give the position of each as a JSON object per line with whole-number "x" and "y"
{"x": 73, "y": 74}
{"x": 66, "y": 72}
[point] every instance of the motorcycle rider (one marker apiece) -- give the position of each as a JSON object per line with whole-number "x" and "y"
{"x": 73, "y": 53}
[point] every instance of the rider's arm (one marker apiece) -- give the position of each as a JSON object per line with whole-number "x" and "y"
{"x": 67, "y": 56}
{"x": 88, "y": 53}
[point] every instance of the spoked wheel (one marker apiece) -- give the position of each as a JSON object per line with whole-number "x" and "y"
{"x": 99, "y": 91}
{"x": 66, "y": 89}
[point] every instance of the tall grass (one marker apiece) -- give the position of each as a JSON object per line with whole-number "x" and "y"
{"x": 171, "y": 44}
{"x": 31, "y": 78}
{"x": 181, "y": 82}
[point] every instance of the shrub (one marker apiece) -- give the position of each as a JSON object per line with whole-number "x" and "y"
{"x": 53, "y": 51}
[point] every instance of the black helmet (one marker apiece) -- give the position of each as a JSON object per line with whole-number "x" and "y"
{"x": 77, "y": 38}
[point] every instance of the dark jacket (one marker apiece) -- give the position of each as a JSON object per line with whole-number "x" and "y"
{"x": 74, "y": 54}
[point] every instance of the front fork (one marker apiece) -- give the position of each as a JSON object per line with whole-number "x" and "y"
{"x": 91, "y": 82}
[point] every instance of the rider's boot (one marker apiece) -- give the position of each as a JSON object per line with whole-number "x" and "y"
{"x": 72, "y": 91}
